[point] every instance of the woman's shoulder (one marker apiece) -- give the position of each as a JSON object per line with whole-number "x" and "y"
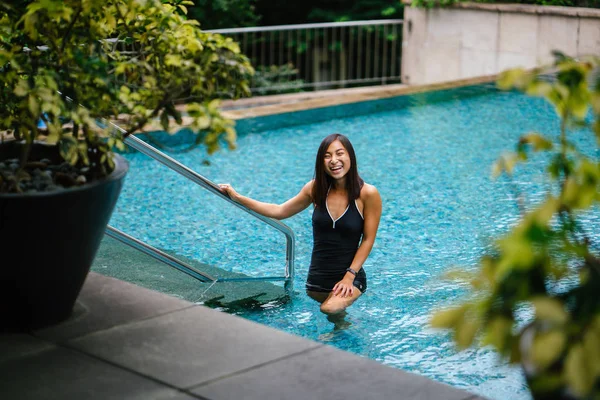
{"x": 369, "y": 196}
{"x": 368, "y": 190}
{"x": 307, "y": 188}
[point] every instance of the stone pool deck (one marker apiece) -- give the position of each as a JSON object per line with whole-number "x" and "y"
{"x": 127, "y": 342}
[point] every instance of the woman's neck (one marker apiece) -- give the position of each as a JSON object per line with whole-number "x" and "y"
{"x": 339, "y": 185}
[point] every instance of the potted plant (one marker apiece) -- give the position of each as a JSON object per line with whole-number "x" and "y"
{"x": 537, "y": 294}
{"x": 68, "y": 68}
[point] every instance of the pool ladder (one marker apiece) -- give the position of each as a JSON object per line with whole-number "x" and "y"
{"x": 181, "y": 169}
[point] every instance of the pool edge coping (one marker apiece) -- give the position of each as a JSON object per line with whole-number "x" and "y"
{"x": 381, "y": 92}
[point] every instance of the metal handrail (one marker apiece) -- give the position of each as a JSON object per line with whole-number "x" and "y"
{"x": 159, "y": 255}
{"x": 183, "y": 170}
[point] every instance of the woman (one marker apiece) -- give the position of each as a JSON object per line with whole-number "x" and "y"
{"x": 346, "y": 210}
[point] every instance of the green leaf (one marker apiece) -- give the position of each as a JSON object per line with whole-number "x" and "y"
{"x": 202, "y": 122}
{"x": 579, "y": 102}
{"x": 546, "y": 383}
{"x": 214, "y": 105}
{"x": 111, "y": 162}
{"x": 539, "y": 142}
{"x": 578, "y": 196}
{"x": 465, "y": 332}
{"x": 447, "y": 318}
{"x": 120, "y": 145}
{"x": 53, "y": 136}
{"x": 388, "y": 11}
{"x": 558, "y": 97}
{"x": 230, "y": 136}
{"x": 544, "y": 213}
{"x": 577, "y": 375}
{"x": 595, "y": 101}
{"x": 513, "y": 78}
{"x": 68, "y": 149}
{"x": 547, "y": 347}
{"x": 173, "y": 60}
{"x": 82, "y": 149}
{"x": 22, "y": 88}
{"x": 121, "y": 68}
{"x": 518, "y": 253}
{"x": 550, "y": 309}
{"x": 34, "y": 105}
{"x": 591, "y": 346}
{"x": 497, "y": 332}
{"x": 506, "y": 162}
{"x": 555, "y": 167}
{"x": 559, "y": 56}
{"x": 589, "y": 172}
{"x": 538, "y": 88}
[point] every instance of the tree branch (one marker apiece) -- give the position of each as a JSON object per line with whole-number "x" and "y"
{"x": 145, "y": 120}
{"x": 70, "y": 28}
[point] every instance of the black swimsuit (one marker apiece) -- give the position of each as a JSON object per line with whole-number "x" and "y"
{"x": 335, "y": 245}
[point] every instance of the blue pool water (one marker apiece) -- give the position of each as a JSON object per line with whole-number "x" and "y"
{"x": 429, "y": 155}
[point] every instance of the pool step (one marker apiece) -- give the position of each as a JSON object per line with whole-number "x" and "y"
{"x": 123, "y": 262}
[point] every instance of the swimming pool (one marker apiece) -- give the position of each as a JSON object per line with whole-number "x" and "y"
{"x": 429, "y": 155}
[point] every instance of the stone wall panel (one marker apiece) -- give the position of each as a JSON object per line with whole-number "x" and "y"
{"x": 469, "y": 40}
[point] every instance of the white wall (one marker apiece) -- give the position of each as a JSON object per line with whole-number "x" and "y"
{"x": 473, "y": 39}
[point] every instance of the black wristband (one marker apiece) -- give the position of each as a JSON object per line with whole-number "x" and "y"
{"x": 353, "y": 272}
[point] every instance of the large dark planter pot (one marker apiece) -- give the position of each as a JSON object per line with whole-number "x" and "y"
{"x": 48, "y": 242}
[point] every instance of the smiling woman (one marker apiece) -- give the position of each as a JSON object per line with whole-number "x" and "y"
{"x": 345, "y": 220}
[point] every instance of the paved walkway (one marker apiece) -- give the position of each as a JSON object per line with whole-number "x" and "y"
{"x": 128, "y": 342}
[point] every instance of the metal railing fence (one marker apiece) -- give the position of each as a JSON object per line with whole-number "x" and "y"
{"x": 290, "y": 58}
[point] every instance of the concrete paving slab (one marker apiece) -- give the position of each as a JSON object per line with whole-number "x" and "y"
{"x": 21, "y": 345}
{"x": 192, "y": 346}
{"x": 64, "y": 374}
{"x": 327, "y": 373}
{"x": 105, "y": 302}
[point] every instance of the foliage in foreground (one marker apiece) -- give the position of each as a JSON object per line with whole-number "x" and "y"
{"x": 73, "y": 63}
{"x": 547, "y": 262}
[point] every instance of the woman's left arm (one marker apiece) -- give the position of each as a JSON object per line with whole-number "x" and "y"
{"x": 372, "y": 215}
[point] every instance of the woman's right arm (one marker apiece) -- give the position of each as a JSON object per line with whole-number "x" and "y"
{"x": 278, "y": 211}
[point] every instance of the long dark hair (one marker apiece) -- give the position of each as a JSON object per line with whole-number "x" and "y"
{"x": 323, "y": 181}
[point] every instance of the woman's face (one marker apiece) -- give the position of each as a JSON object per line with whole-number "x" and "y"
{"x": 337, "y": 160}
